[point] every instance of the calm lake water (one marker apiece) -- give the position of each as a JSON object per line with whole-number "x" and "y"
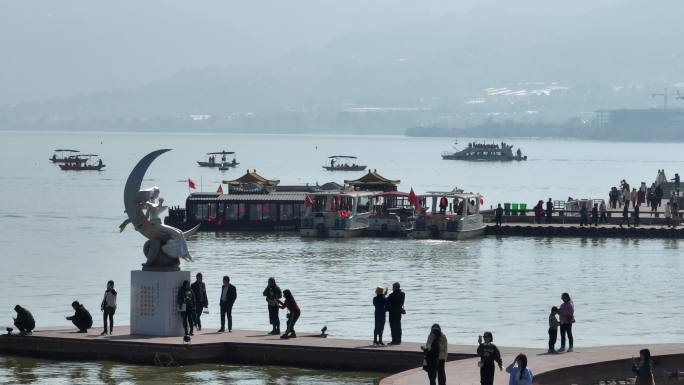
{"x": 61, "y": 242}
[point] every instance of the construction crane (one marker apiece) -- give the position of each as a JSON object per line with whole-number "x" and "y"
{"x": 664, "y": 96}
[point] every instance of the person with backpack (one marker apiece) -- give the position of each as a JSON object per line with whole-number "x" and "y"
{"x": 108, "y": 307}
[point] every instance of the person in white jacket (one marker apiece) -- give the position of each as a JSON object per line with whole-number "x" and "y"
{"x": 519, "y": 372}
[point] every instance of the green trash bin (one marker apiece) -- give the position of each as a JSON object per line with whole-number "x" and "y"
{"x": 514, "y": 209}
{"x": 523, "y": 209}
{"x": 507, "y": 209}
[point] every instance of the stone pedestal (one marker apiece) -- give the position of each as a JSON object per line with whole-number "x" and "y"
{"x": 154, "y": 310}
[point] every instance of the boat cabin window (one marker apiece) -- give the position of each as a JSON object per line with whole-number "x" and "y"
{"x": 263, "y": 211}
{"x": 363, "y": 205}
{"x": 234, "y": 211}
{"x": 291, "y": 211}
{"x": 203, "y": 211}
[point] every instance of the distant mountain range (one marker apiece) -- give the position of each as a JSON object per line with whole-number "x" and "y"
{"x": 426, "y": 70}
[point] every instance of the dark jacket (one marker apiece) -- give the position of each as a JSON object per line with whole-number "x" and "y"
{"x": 395, "y": 303}
{"x": 25, "y": 318}
{"x": 200, "y": 290}
{"x": 186, "y": 297}
{"x": 489, "y": 354}
{"x": 379, "y": 302}
{"x": 82, "y": 317}
{"x": 231, "y": 295}
{"x": 273, "y": 294}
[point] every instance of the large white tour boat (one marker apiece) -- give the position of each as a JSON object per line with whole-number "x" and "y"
{"x": 336, "y": 214}
{"x": 449, "y": 215}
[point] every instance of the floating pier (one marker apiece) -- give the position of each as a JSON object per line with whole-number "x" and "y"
{"x": 242, "y": 347}
{"x": 575, "y": 230}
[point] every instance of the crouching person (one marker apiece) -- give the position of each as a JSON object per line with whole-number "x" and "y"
{"x": 24, "y": 321}
{"x": 81, "y": 318}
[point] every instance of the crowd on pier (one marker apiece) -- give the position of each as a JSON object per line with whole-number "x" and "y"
{"x": 192, "y": 300}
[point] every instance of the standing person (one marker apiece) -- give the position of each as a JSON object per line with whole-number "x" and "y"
{"x": 186, "y": 304}
{"x": 584, "y": 215}
{"x": 676, "y": 181}
{"x": 668, "y": 214}
{"x": 108, "y": 307}
{"x": 539, "y": 211}
{"x": 228, "y": 297}
{"x": 81, "y": 318}
{"x": 636, "y": 216}
{"x": 549, "y": 210}
{"x": 566, "y": 313}
{"x": 498, "y": 215}
{"x": 519, "y": 373}
{"x": 489, "y": 354}
{"x": 643, "y": 370}
{"x": 625, "y": 215}
{"x": 273, "y": 294}
{"x": 595, "y": 215}
{"x": 659, "y": 194}
{"x": 603, "y": 210}
{"x": 553, "y": 330}
{"x": 380, "y": 304}
{"x": 625, "y": 193}
{"x": 24, "y": 321}
{"x": 436, "y": 351}
{"x": 641, "y": 194}
{"x": 633, "y": 197}
{"x": 292, "y": 316}
{"x": 201, "y": 301}
{"x": 395, "y": 307}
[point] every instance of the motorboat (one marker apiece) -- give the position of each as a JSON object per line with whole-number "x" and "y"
{"x": 343, "y": 163}
{"x": 392, "y": 214}
{"x": 336, "y": 214}
{"x": 449, "y": 215}
{"x": 223, "y": 164}
{"x": 82, "y": 162}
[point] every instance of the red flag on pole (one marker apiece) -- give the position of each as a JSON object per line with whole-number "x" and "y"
{"x": 220, "y": 189}
{"x": 308, "y": 202}
{"x": 413, "y": 198}
{"x": 191, "y": 184}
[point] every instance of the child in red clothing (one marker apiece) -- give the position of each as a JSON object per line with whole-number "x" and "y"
{"x": 293, "y": 314}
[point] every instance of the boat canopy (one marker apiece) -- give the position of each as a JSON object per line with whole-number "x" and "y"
{"x": 65, "y": 150}
{"x": 221, "y": 152}
{"x": 342, "y": 156}
{"x": 84, "y": 155}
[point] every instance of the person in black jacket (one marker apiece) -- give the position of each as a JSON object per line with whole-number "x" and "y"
{"x": 24, "y": 321}
{"x": 81, "y": 318}
{"x": 200, "y": 289}
{"x": 489, "y": 354}
{"x": 395, "y": 307}
{"x": 228, "y": 297}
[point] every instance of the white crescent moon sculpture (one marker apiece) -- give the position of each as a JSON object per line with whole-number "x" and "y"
{"x": 166, "y": 244}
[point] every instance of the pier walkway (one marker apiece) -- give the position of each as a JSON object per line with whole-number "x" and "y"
{"x": 584, "y": 366}
{"x": 239, "y": 347}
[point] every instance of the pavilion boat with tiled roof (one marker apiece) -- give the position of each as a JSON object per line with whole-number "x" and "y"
{"x": 252, "y": 203}
{"x": 336, "y": 214}
{"x": 449, "y": 215}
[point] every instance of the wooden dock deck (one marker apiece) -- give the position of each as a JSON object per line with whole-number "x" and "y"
{"x": 239, "y": 347}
